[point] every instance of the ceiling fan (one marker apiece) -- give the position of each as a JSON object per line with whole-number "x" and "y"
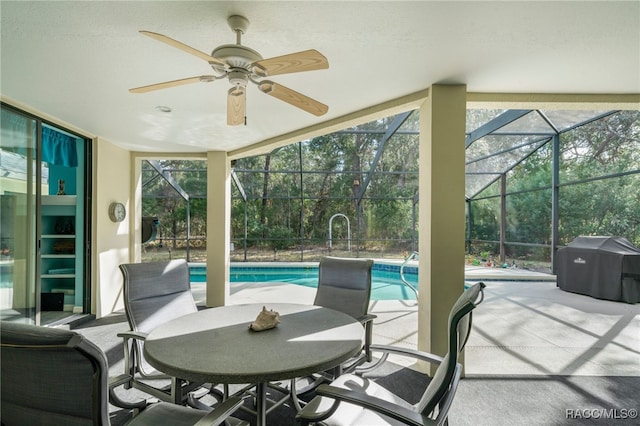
{"x": 240, "y": 65}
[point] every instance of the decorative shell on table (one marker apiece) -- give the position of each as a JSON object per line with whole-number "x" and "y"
{"x": 266, "y": 319}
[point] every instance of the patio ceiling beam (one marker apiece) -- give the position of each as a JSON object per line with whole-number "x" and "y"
{"x": 495, "y": 124}
{"x": 375, "y": 132}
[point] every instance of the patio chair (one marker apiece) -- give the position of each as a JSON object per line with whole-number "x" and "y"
{"x": 155, "y": 293}
{"x": 58, "y": 377}
{"x": 356, "y": 400}
{"x": 345, "y": 285}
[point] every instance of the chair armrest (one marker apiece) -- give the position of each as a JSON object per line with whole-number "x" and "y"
{"x": 367, "y": 318}
{"x": 221, "y": 412}
{"x": 137, "y": 335}
{"x": 120, "y": 380}
{"x": 129, "y": 338}
{"x": 372, "y": 403}
{"x": 411, "y": 353}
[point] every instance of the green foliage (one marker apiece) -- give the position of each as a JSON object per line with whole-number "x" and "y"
{"x": 301, "y": 186}
{"x": 294, "y": 191}
{"x": 163, "y": 200}
{"x": 589, "y": 205}
{"x": 601, "y": 207}
{"x": 280, "y": 237}
{"x": 485, "y": 219}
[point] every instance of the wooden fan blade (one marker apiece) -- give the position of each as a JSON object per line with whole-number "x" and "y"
{"x": 172, "y": 83}
{"x": 236, "y": 103}
{"x": 308, "y": 60}
{"x": 292, "y": 97}
{"x": 183, "y": 47}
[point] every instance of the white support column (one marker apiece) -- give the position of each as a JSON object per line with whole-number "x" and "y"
{"x": 218, "y": 227}
{"x": 442, "y": 212}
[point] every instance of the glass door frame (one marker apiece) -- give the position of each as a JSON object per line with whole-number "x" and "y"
{"x": 34, "y": 204}
{"x": 19, "y": 217}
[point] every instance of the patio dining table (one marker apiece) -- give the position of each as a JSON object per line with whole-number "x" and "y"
{"x": 216, "y": 345}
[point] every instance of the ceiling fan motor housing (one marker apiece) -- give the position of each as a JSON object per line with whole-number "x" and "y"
{"x": 236, "y": 56}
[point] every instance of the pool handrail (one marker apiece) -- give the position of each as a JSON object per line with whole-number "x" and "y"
{"x": 413, "y": 255}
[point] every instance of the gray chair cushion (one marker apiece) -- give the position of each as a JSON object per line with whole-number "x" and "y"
{"x": 58, "y": 377}
{"x": 155, "y": 293}
{"x": 436, "y": 398}
{"x": 344, "y": 285}
{"x": 51, "y": 377}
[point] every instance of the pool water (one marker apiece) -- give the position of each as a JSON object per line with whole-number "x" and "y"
{"x": 386, "y": 283}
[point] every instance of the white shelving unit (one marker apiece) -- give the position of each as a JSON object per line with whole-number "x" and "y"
{"x": 58, "y": 256}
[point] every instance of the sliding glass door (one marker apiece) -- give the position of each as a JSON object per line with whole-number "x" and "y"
{"x": 18, "y": 189}
{"x": 45, "y": 182}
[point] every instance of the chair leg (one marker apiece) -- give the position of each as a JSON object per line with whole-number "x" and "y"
{"x": 218, "y": 394}
{"x": 194, "y": 402}
{"x": 368, "y": 340}
{"x": 315, "y": 382}
{"x": 363, "y": 370}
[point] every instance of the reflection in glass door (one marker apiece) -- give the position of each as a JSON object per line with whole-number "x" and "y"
{"x": 18, "y": 188}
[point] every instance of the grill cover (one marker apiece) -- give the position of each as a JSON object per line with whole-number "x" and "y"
{"x": 602, "y": 267}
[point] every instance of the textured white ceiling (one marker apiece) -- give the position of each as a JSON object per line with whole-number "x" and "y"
{"x": 76, "y": 60}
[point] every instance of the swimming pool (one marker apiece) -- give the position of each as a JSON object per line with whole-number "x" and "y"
{"x": 386, "y": 283}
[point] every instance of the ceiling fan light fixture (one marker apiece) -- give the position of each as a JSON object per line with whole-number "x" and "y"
{"x": 236, "y": 106}
{"x": 238, "y": 77}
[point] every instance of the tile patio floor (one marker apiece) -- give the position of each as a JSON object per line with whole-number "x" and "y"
{"x": 525, "y": 326}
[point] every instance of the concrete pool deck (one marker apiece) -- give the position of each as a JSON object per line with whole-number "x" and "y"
{"x": 525, "y": 326}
